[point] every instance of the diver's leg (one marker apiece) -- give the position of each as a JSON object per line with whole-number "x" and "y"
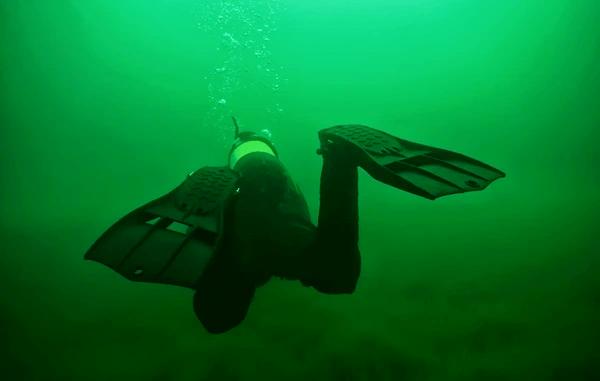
{"x": 335, "y": 264}
{"x": 224, "y": 291}
{"x": 422, "y": 170}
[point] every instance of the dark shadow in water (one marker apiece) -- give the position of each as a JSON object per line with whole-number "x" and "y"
{"x": 584, "y": 369}
{"x": 368, "y": 359}
{"x": 493, "y": 335}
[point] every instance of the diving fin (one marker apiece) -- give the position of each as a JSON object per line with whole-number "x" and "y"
{"x": 171, "y": 239}
{"x": 416, "y": 168}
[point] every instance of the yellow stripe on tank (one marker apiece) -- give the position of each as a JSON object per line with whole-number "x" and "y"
{"x": 247, "y": 148}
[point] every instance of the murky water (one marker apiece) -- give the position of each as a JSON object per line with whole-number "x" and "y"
{"x": 109, "y": 104}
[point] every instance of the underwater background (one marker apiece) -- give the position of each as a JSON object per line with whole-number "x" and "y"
{"x": 108, "y": 104}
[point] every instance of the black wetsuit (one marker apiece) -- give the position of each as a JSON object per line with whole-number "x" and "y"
{"x": 267, "y": 231}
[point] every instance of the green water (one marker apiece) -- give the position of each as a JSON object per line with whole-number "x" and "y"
{"x": 108, "y": 104}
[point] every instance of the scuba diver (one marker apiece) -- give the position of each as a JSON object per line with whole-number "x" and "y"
{"x": 227, "y": 230}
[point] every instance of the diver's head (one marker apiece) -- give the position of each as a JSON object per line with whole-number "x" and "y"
{"x": 248, "y": 142}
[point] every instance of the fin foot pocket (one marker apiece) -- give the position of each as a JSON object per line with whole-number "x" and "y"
{"x": 415, "y": 168}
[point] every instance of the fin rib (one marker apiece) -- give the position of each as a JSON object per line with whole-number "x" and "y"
{"x": 439, "y": 156}
{"x": 454, "y": 167}
{"x": 433, "y": 176}
{"x": 194, "y": 231}
{"x": 160, "y": 224}
{"x": 175, "y": 253}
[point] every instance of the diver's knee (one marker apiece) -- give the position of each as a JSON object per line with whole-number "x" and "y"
{"x": 221, "y": 306}
{"x": 335, "y": 288}
{"x": 334, "y": 283}
{"x": 211, "y": 319}
{"x": 334, "y": 275}
{"x": 220, "y": 315}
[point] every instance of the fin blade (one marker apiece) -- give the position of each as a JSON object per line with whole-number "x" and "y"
{"x": 416, "y": 168}
{"x": 155, "y": 252}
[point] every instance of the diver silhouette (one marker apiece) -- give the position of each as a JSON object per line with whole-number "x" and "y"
{"x": 227, "y": 230}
